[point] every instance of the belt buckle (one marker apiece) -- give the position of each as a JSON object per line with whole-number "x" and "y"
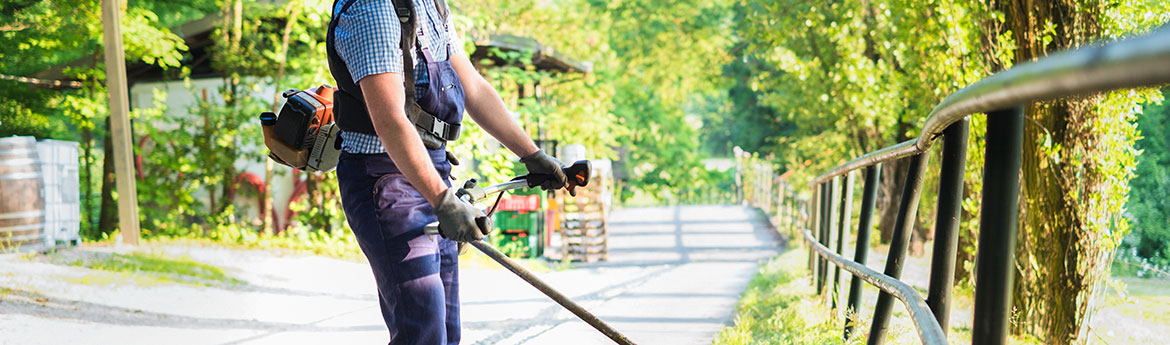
{"x": 438, "y": 127}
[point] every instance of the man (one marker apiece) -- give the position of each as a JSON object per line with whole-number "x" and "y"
{"x": 392, "y": 183}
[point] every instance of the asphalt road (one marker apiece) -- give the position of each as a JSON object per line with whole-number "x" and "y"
{"x": 673, "y": 277}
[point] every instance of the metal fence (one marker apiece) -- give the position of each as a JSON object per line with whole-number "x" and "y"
{"x": 1130, "y": 63}
{"x": 758, "y": 185}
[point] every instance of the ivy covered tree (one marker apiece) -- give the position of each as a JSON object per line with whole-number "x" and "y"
{"x": 1078, "y": 160}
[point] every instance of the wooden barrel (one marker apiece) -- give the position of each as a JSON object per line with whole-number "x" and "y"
{"x": 22, "y": 207}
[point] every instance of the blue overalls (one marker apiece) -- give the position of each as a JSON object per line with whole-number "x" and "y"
{"x": 416, "y": 274}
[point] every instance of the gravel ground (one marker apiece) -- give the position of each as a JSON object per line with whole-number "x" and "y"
{"x": 673, "y": 277}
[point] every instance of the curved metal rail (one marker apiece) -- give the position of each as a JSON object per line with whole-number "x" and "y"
{"x": 1130, "y": 63}
{"x": 928, "y": 328}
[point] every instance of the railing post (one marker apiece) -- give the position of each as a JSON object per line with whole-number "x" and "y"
{"x": 843, "y": 223}
{"x": 861, "y": 248}
{"x": 997, "y": 226}
{"x": 827, "y": 233}
{"x": 814, "y": 225}
{"x": 826, "y": 194}
{"x": 946, "y": 232}
{"x": 789, "y": 209}
{"x": 903, "y": 226}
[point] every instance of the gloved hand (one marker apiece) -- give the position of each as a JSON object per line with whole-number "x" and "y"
{"x": 547, "y": 167}
{"x": 459, "y": 220}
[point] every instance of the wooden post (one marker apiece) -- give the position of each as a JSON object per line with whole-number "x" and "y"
{"x": 120, "y": 121}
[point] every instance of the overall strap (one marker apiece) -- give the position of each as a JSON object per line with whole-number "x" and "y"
{"x": 406, "y": 16}
{"x": 425, "y": 121}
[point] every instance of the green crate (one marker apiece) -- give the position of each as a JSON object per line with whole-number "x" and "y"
{"x": 528, "y": 191}
{"x": 515, "y": 243}
{"x": 518, "y": 220}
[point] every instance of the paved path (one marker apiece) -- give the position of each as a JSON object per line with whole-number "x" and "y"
{"x": 673, "y": 277}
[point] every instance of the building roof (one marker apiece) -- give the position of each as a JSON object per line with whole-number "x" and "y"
{"x": 543, "y": 58}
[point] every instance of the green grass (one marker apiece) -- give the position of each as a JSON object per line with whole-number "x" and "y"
{"x": 1150, "y": 300}
{"x": 1133, "y": 311}
{"x": 780, "y": 307}
{"x": 151, "y": 269}
{"x": 340, "y": 245}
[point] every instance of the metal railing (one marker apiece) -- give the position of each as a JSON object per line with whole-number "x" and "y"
{"x": 1130, "y": 63}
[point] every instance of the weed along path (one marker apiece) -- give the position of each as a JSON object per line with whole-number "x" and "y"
{"x": 673, "y": 276}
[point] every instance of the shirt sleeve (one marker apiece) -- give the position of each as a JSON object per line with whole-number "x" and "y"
{"x": 367, "y": 38}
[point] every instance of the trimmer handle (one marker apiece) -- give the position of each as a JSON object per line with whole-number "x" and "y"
{"x": 578, "y": 175}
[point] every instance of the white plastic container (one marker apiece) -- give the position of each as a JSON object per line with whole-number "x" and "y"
{"x": 59, "y": 163}
{"x": 572, "y": 153}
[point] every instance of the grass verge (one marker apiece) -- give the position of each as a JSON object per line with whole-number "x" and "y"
{"x": 143, "y": 269}
{"x": 341, "y": 244}
{"x": 780, "y": 307}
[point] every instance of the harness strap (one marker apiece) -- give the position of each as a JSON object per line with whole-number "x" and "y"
{"x": 421, "y": 119}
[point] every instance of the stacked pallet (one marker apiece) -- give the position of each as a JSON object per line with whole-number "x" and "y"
{"x": 583, "y": 228}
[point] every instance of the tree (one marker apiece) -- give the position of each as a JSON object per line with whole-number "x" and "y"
{"x": 654, "y": 62}
{"x": 856, "y": 76}
{"x": 1078, "y": 158}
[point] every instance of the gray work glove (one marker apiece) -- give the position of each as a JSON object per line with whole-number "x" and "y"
{"x": 544, "y": 171}
{"x": 460, "y": 221}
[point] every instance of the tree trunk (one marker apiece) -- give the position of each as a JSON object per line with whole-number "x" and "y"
{"x": 890, "y": 196}
{"x": 921, "y": 234}
{"x": 1062, "y": 253}
{"x": 86, "y": 177}
{"x": 109, "y": 209}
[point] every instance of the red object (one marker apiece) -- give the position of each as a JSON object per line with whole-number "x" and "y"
{"x": 520, "y": 203}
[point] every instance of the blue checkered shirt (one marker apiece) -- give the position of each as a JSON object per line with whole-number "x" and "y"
{"x": 367, "y": 38}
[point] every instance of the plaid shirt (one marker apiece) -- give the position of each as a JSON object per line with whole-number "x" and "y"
{"x": 367, "y": 38}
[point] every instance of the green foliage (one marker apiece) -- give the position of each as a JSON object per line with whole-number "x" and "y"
{"x": 848, "y": 78}
{"x": 653, "y": 62}
{"x": 668, "y": 53}
{"x": 709, "y": 187}
{"x": 19, "y": 120}
{"x": 38, "y": 35}
{"x": 320, "y": 208}
{"x": 1148, "y": 206}
{"x": 571, "y": 108}
{"x": 299, "y": 237}
{"x": 170, "y": 174}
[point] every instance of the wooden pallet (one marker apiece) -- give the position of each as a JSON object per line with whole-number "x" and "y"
{"x": 583, "y": 228}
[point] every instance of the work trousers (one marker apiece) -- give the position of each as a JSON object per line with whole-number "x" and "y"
{"x": 417, "y": 274}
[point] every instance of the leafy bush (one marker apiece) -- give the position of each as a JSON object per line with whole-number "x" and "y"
{"x": 1148, "y": 206}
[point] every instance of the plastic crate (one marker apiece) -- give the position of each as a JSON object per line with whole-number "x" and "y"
{"x": 528, "y": 191}
{"x": 517, "y": 220}
{"x": 526, "y": 203}
{"x": 515, "y": 243}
